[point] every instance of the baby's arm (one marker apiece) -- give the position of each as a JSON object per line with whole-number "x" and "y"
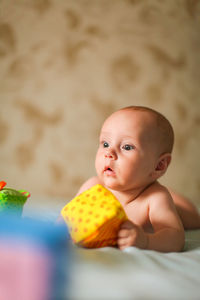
{"x": 168, "y": 233}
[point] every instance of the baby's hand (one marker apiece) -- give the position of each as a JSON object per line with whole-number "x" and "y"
{"x": 131, "y": 235}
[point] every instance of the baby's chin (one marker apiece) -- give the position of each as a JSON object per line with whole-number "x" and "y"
{"x": 110, "y": 182}
{"x": 111, "y": 185}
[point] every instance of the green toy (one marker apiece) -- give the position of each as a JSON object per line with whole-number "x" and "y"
{"x": 12, "y": 200}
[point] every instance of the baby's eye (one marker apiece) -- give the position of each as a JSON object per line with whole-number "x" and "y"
{"x": 127, "y": 147}
{"x": 105, "y": 145}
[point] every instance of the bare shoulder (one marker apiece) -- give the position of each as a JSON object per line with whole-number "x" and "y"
{"x": 88, "y": 184}
{"x": 158, "y": 196}
{"x": 162, "y": 210}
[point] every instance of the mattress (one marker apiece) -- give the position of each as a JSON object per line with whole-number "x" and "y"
{"x": 108, "y": 273}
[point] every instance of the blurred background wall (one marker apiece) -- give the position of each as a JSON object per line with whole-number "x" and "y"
{"x": 65, "y": 65}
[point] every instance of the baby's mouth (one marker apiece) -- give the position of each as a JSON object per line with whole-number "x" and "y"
{"x": 109, "y": 171}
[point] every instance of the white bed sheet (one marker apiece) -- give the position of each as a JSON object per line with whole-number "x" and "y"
{"x": 108, "y": 273}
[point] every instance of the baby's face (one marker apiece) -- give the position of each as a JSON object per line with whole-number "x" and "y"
{"x": 127, "y": 154}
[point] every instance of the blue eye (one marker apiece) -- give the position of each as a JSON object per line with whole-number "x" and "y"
{"x": 127, "y": 147}
{"x": 105, "y": 145}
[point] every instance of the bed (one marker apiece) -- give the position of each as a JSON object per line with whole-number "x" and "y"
{"x": 108, "y": 273}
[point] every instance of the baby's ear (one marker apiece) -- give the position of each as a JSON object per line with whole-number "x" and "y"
{"x": 162, "y": 164}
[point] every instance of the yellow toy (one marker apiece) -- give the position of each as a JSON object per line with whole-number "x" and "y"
{"x": 94, "y": 217}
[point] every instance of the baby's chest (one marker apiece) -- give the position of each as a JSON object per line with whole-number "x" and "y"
{"x": 138, "y": 213}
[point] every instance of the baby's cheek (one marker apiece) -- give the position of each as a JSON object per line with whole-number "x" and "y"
{"x": 98, "y": 163}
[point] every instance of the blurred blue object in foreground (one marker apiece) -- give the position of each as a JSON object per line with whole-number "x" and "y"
{"x": 33, "y": 254}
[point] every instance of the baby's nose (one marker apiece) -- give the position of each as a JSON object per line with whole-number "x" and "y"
{"x": 110, "y": 154}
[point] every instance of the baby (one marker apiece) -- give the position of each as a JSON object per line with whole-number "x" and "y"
{"x": 134, "y": 152}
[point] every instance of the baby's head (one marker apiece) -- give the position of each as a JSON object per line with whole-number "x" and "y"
{"x": 137, "y": 142}
{"x": 156, "y": 125}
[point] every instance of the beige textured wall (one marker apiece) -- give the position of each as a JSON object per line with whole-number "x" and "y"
{"x": 66, "y": 65}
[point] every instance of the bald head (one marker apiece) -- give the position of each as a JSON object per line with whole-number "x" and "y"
{"x": 162, "y": 128}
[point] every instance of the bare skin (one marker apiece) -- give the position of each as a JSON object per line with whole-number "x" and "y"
{"x": 158, "y": 228}
{"x": 130, "y": 159}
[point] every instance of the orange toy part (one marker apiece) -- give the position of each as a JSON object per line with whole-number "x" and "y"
{"x": 94, "y": 218}
{"x": 2, "y": 184}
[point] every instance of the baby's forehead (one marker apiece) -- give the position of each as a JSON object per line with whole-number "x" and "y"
{"x": 132, "y": 113}
{"x": 134, "y": 117}
{"x": 130, "y": 123}
{"x": 145, "y": 124}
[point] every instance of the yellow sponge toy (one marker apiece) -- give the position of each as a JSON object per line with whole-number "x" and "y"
{"x": 94, "y": 218}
